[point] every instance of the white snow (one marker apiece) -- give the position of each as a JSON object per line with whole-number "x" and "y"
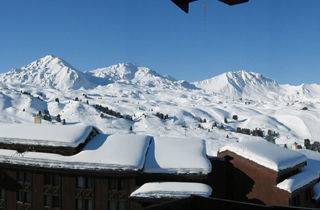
{"x": 44, "y": 134}
{"x": 115, "y": 152}
{"x": 141, "y": 92}
{"x": 177, "y": 156}
{"x": 298, "y": 181}
{"x": 313, "y": 162}
{"x": 266, "y": 154}
{"x": 160, "y": 190}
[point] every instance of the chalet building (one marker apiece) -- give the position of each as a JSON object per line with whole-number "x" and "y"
{"x": 66, "y": 167}
{"x": 261, "y": 172}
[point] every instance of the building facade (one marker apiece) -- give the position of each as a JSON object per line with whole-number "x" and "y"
{"x": 36, "y": 189}
{"x": 251, "y": 181}
{"x": 79, "y": 168}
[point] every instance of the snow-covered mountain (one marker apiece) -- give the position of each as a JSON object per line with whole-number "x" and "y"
{"x": 143, "y": 76}
{"x": 293, "y": 111}
{"x": 241, "y": 84}
{"x": 48, "y": 72}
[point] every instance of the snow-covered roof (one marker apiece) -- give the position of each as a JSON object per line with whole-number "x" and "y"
{"x": 115, "y": 152}
{"x": 177, "y": 156}
{"x": 313, "y": 160}
{"x": 44, "y": 134}
{"x": 158, "y": 190}
{"x": 298, "y": 181}
{"x": 266, "y": 154}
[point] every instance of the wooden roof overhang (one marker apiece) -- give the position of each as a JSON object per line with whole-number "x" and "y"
{"x": 71, "y": 172}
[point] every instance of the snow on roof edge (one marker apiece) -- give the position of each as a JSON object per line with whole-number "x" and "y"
{"x": 266, "y": 154}
{"x": 158, "y": 190}
{"x": 298, "y": 181}
{"x": 45, "y": 134}
{"x": 102, "y": 153}
{"x": 192, "y": 160}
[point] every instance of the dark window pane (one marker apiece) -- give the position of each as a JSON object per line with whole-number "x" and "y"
{"x": 55, "y": 201}
{"x": 47, "y": 179}
{"x": 113, "y": 184}
{"x": 296, "y": 200}
{"x": 122, "y": 184}
{"x": 56, "y": 180}
{"x": 81, "y": 182}
{"x": 122, "y": 205}
{"x": 2, "y": 195}
{"x": 112, "y": 205}
{"x": 20, "y": 176}
{"x": 47, "y": 201}
{"x": 28, "y": 197}
{"x": 90, "y": 182}
{"x": 88, "y": 204}
{"x": 79, "y": 204}
{"x": 28, "y": 177}
{"x": 20, "y": 195}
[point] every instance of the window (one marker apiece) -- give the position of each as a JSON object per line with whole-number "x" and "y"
{"x": 84, "y": 182}
{"x": 296, "y": 200}
{"x": 52, "y": 191}
{"x": 112, "y": 205}
{"x": 117, "y": 205}
{"x": 84, "y": 204}
{"x": 2, "y": 199}
{"x": 122, "y": 184}
{"x": 85, "y": 193}
{"x": 308, "y": 195}
{"x": 122, "y": 205}
{"x": 117, "y": 194}
{"x": 113, "y": 184}
{"x": 24, "y": 194}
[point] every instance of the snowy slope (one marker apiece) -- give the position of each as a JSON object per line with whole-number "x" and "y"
{"x": 141, "y": 93}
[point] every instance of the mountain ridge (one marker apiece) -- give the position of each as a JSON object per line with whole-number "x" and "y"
{"x": 52, "y": 84}
{"x": 52, "y": 72}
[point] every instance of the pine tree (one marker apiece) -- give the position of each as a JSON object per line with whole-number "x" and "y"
{"x": 58, "y": 118}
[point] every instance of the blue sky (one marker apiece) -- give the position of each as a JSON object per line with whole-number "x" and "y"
{"x": 278, "y": 38}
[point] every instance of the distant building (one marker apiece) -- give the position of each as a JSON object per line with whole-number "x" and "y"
{"x": 37, "y": 119}
{"x": 71, "y": 167}
{"x": 261, "y": 172}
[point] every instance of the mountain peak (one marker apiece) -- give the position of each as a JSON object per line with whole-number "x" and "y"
{"x": 120, "y": 71}
{"x": 48, "y": 62}
{"x": 48, "y": 72}
{"x": 245, "y": 75}
{"x": 138, "y": 75}
{"x": 238, "y": 83}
